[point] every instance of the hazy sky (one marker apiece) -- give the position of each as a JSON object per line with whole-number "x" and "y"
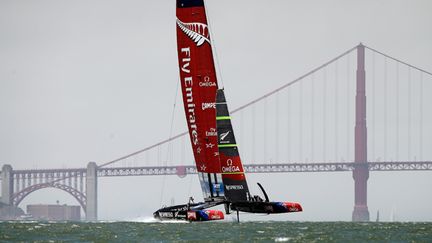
{"x": 88, "y": 81}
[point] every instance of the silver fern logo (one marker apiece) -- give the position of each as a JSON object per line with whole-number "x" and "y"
{"x": 198, "y": 32}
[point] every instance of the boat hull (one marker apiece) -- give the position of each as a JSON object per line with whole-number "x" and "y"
{"x": 187, "y": 213}
{"x": 266, "y": 207}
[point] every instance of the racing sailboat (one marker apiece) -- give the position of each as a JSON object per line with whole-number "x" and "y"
{"x": 219, "y": 167}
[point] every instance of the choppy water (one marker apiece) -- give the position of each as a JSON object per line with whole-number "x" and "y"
{"x": 214, "y": 232}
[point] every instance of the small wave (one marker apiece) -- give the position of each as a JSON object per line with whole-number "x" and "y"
{"x": 146, "y": 219}
{"x": 22, "y": 221}
{"x": 282, "y": 239}
{"x": 173, "y": 221}
{"x": 143, "y": 219}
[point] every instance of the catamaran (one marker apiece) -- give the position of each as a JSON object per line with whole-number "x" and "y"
{"x": 217, "y": 159}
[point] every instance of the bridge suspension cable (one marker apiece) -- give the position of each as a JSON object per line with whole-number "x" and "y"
{"x": 237, "y": 109}
{"x": 270, "y": 94}
{"x": 397, "y": 60}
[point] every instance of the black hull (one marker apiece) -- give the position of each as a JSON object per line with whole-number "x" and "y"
{"x": 266, "y": 207}
{"x": 178, "y": 212}
{"x": 189, "y": 212}
{"x": 173, "y": 215}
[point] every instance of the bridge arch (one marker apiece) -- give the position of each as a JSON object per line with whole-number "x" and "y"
{"x": 79, "y": 196}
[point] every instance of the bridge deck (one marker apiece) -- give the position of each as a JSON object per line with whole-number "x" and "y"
{"x": 270, "y": 168}
{"x": 249, "y": 168}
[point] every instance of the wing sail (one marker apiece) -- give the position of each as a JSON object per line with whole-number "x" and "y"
{"x": 199, "y": 85}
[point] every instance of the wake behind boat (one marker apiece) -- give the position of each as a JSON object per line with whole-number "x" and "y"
{"x": 217, "y": 159}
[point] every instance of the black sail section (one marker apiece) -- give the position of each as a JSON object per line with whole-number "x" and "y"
{"x": 233, "y": 177}
{"x": 189, "y": 3}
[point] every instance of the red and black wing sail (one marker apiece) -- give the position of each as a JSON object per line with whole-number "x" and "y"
{"x": 233, "y": 177}
{"x": 199, "y": 85}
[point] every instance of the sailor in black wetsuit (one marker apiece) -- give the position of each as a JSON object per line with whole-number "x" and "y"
{"x": 257, "y": 198}
{"x": 191, "y": 200}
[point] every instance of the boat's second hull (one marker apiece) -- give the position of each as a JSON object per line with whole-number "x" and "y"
{"x": 266, "y": 207}
{"x": 183, "y": 212}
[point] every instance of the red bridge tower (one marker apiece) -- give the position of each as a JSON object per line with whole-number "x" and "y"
{"x": 361, "y": 170}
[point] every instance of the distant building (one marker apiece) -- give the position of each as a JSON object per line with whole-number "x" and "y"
{"x": 54, "y": 212}
{"x": 8, "y": 212}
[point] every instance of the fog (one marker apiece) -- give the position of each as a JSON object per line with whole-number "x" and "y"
{"x": 95, "y": 80}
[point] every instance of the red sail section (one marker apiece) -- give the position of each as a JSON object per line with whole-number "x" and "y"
{"x": 198, "y": 82}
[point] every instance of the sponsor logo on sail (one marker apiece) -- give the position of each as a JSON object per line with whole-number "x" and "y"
{"x": 211, "y": 133}
{"x": 224, "y": 135}
{"x": 197, "y": 32}
{"x": 234, "y": 187}
{"x": 207, "y": 84}
{"x": 188, "y": 84}
{"x": 230, "y": 167}
{"x": 206, "y": 106}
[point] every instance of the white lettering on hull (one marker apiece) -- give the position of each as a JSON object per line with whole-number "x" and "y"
{"x": 166, "y": 214}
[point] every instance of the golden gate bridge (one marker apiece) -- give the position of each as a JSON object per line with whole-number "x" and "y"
{"x": 311, "y": 132}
